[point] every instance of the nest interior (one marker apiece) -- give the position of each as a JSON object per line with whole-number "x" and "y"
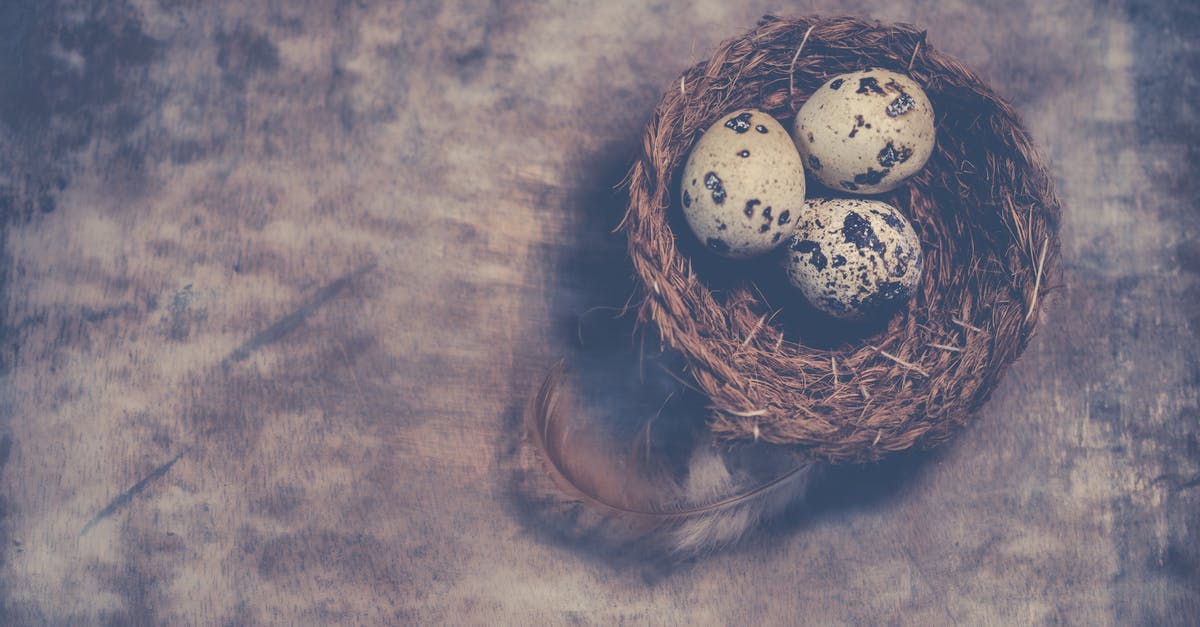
{"x": 983, "y": 206}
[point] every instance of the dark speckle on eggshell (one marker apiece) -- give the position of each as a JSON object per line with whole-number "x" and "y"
{"x": 739, "y": 124}
{"x": 848, "y": 185}
{"x": 857, "y": 230}
{"x": 871, "y": 176}
{"x": 743, "y": 154}
{"x": 859, "y": 122}
{"x": 816, "y": 258}
{"x": 838, "y": 261}
{"x": 890, "y": 155}
{"x": 886, "y": 296}
{"x": 712, "y": 182}
{"x": 784, "y": 217}
{"x": 767, "y": 213}
{"x": 749, "y": 210}
{"x": 869, "y": 85}
{"x": 892, "y": 220}
{"x": 687, "y": 199}
{"x": 814, "y": 162}
{"x": 760, "y": 128}
{"x": 900, "y": 265}
{"x": 836, "y": 84}
{"x": 901, "y": 105}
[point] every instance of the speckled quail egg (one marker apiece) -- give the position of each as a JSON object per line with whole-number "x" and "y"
{"x": 865, "y": 132}
{"x": 853, "y": 258}
{"x": 743, "y": 185}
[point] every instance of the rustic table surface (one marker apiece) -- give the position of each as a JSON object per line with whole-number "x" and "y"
{"x": 278, "y": 278}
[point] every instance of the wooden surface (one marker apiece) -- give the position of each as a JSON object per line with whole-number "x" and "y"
{"x": 278, "y": 278}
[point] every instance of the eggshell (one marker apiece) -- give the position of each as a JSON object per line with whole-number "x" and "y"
{"x": 854, "y": 258}
{"x": 743, "y": 185}
{"x": 865, "y": 132}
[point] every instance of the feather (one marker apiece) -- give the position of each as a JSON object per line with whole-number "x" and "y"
{"x": 717, "y": 501}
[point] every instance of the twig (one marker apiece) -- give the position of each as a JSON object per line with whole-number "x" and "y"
{"x": 1037, "y": 279}
{"x": 914, "y": 54}
{"x": 963, "y": 323}
{"x": 833, "y": 365}
{"x": 945, "y": 347}
{"x": 750, "y": 336}
{"x": 682, "y": 91}
{"x": 792, "y": 67}
{"x": 896, "y": 359}
{"x": 747, "y": 414}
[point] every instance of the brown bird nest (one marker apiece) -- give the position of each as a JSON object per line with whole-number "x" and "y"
{"x": 984, "y": 208}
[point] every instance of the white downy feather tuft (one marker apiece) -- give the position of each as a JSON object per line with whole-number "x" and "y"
{"x": 710, "y": 480}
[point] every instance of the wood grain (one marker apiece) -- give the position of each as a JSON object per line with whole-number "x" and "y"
{"x": 278, "y": 278}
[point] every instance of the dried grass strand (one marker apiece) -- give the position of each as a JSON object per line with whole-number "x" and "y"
{"x": 916, "y": 48}
{"x": 1037, "y": 281}
{"x": 796, "y": 57}
{"x": 906, "y": 364}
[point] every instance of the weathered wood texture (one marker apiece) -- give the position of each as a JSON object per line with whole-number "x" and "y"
{"x": 278, "y": 276}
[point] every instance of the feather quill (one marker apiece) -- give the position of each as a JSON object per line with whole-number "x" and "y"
{"x": 714, "y": 506}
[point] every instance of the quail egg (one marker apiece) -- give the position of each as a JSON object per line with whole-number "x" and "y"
{"x": 853, "y": 258}
{"x": 865, "y": 132}
{"x": 743, "y": 185}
